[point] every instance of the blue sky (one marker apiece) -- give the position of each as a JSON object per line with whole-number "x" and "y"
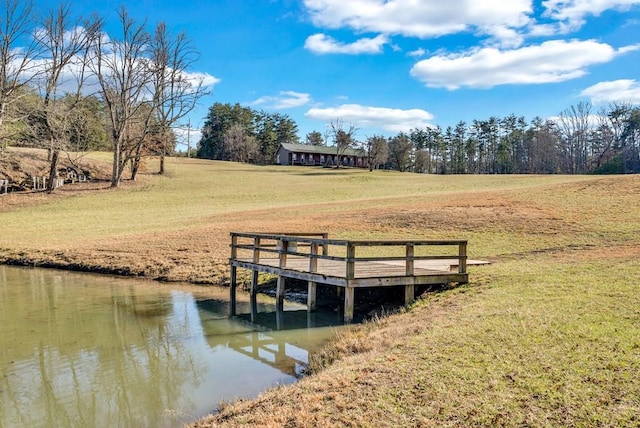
{"x": 389, "y": 66}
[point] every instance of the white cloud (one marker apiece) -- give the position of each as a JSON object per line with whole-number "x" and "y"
{"x": 207, "y": 79}
{"x": 284, "y": 100}
{"x": 417, "y": 53}
{"x": 552, "y": 61}
{"x": 389, "y": 119}
{"x": 423, "y": 19}
{"x": 571, "y": 14}
{"x": 323, "y": 44}
{"x": 504, "y": 36}
{"x": 623, "y": 90}
{"x": 72, "y": 74}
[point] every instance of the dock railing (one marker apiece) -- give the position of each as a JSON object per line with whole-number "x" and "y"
{"x": 263, "y": 247}
{"x": 347, "y": 264}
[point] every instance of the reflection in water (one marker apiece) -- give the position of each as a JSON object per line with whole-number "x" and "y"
{"x": 87, "y": 350}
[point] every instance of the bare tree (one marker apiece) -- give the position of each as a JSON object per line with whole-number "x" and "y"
{"x": 421, "y": 163}
{"x": 377, "y": 151}
{"x": 175, "y": 92}
{"x": 400, "y": 152}
{"x": 125, "y": 79}
{"x": 146, "y": 89}
{"x": 18, "y": 51}
{"x": 574, "y": 124}
{"x": 608, "y": 132}
{"x": 342, "y": 139}
{"x": 64, "y": 43}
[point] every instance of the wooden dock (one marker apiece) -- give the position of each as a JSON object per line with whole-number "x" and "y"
{"x": 345, "y": 264}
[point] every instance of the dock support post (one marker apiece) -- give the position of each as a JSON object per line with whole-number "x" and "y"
{"x": 254, "y": 279}
{"x": 232, "y": 288}
{"x": 280, "y": 293}
{"x": 349, "y": 291}
{"x": 409, "y": 294}
{"x": 313, "y": 287}
{"x": 348, "y": 304}
{"x": 284, "y": 247}
{"x": 234, "y": 275}
{"x": 311, "y": 296}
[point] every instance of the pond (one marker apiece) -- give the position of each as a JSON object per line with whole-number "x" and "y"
{"x": 90, "y": 350}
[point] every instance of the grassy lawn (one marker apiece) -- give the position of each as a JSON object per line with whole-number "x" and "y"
{"x": 548, "y": 335}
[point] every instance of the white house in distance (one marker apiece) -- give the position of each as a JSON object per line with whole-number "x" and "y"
{"x": 306, "y": 154}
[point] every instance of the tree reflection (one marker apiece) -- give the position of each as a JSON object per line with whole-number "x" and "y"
{"x": 86, "y": 350}
{"x": 91, "y": 354}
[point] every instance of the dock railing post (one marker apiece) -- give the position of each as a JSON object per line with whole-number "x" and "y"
{"x": 325, "y": 246}
{"x": 462, "y": 257}
{"x": 410, "y": 250}
{"x": 313, "y": 267}
{"x": 351, "y": 255}
{"x": 409, "y": 290}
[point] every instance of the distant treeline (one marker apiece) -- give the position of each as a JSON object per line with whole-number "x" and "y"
{"x": 578, "y": 141}
{"x": 242, "y": 134}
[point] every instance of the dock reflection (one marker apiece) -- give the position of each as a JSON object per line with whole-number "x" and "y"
{"x": 282, "y": 339}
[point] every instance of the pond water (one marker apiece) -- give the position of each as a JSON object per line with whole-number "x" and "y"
{"x": 89, "y": 350}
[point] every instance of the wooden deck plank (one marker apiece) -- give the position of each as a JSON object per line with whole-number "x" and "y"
{"x": 367, "y": 274}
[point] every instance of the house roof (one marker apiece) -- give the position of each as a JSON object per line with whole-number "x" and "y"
{"x": 322, "y": 150}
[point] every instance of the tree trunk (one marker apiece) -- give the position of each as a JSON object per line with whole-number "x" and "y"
{"x": 161, "y": 172}
{"x": 135, "y": 166}
{"x": 53, "y": 171}
{"x": 3, "y": 141}
{"x": 116, "y": 171}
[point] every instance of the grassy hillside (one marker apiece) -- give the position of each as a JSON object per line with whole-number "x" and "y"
{"x": 176, "y": 227}
{"x": 548, "y": 335}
